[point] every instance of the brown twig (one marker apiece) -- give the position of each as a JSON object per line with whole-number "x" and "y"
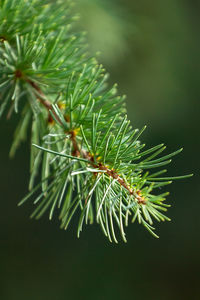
{"x": 77, "y": 151}
{"x": 138, "y": 195}
{"x": 41, "y": 97}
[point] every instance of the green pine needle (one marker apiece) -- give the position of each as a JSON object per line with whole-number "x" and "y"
{"x": 88, "y": 156}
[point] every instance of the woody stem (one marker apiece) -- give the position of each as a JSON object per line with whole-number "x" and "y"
{"x": 77, "y": 151}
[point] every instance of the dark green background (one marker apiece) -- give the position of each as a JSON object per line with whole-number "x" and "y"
{"x": 151, "y": 48}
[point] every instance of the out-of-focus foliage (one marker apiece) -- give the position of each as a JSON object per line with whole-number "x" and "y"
{"x": 155, "y": 54}
{"x": 108, "y": 28}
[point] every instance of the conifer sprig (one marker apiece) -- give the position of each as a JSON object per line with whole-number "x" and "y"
{"x": 89, "y": 157}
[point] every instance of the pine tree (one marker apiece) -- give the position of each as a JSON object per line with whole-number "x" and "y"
{"x": 83, "y": 148}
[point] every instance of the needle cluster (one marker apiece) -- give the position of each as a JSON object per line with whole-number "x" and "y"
{"x": 88, "y": 156}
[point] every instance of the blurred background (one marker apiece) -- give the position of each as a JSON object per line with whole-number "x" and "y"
{"x": 151, "y": 49}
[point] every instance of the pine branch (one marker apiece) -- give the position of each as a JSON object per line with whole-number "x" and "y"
{"x": 77, "y": 149}
{"x": 84, "y": 148}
